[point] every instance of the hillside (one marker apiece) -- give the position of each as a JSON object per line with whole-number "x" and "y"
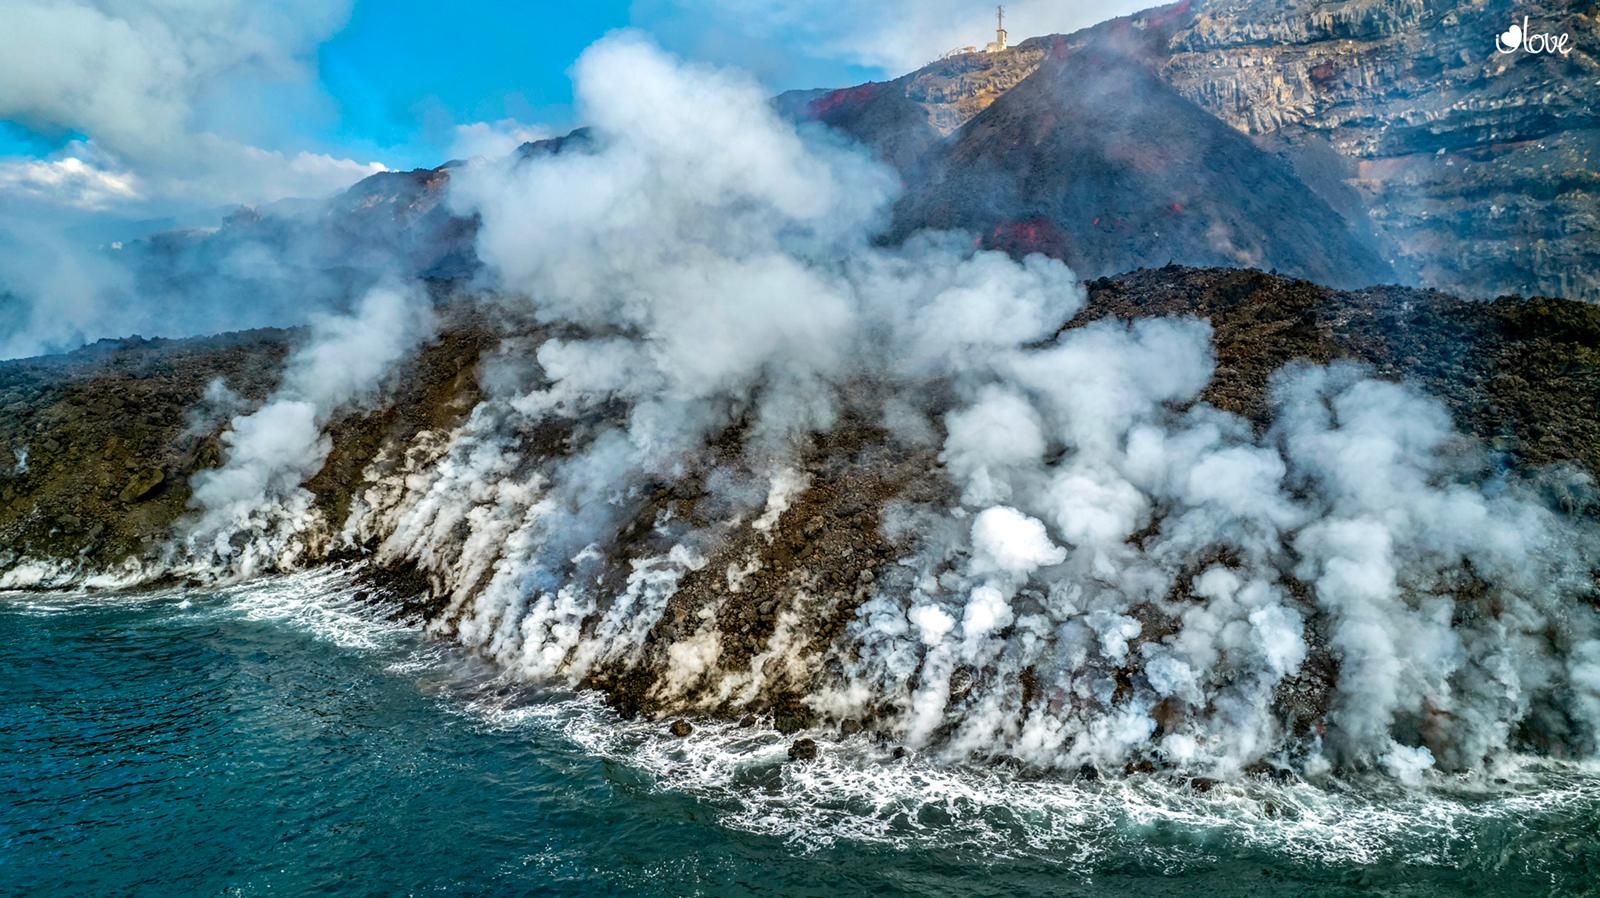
{"x": 1094, "y": 160}
{"x": 1464, "y": 169}
{"x": 1350, "y": 143}
{"x": 112, "y": 434}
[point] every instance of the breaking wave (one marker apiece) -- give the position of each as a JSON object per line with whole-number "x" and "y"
{"x": 859, "y": 791}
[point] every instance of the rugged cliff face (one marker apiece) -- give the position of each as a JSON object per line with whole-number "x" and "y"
{"x": 1094, "y": 160}
{"x": 1479, "y": 169}
{"x": 1465, "y": 169}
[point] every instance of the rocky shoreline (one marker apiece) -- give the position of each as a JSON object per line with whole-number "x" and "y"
{"x": 112, "y": 436}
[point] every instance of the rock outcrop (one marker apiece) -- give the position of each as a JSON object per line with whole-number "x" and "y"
{"x": 1465, "y": 169}
{"x": 1479, "y": 169}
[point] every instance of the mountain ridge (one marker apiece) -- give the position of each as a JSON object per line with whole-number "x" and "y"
{"x": 1475, "y": 171}
{"x": 1430, "y": 170}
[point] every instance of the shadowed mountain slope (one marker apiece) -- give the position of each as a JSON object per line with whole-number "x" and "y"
{"x": 1094, "y": 160}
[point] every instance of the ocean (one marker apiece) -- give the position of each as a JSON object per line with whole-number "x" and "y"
{"x": 287, "y": 738}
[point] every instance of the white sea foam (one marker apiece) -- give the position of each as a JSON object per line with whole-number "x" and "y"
{"x": 858, "y": 791}
{"x": 45, "y": 600}
{"x": 321, "y": 602}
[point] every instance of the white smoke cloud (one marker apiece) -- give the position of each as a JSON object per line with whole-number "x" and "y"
{"x": 69, "y": 180}
{"x": 83, "y": 289}
{"x": 990, "y": 440}
{"x": 1130, "y": 548}
{"x": 493, "y": 140}
{"x": 1006, "y": 541}
{"x": 749, "y": 273}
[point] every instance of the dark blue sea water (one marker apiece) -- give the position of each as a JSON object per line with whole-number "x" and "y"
{"x": 282, "y": 739}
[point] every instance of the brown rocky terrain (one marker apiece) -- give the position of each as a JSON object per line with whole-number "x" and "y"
{"x": 104, "y": 443}
{"x": 101, "y": 442}
{"x": 1477, "y": 168}
{"x": 112, "y": 433}
{"x": 1521, "y": 375}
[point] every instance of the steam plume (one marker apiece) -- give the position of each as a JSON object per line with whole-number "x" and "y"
{"x": 257, "y": 492}
{"x": 1105, "y": 570}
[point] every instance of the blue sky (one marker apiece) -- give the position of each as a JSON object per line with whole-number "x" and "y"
{"x": 395, "y": 80}
{"x": 401, "y": 74}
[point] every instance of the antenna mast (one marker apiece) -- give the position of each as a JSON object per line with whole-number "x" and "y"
{"x": 999, "y": 27}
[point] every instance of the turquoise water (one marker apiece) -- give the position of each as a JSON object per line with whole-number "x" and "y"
{"x": 283, "y": 739}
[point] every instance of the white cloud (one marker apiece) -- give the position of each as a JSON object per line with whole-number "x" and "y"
{"x": 135, "y": 77}
{"x": 83, "y": 177}
{"x": 130, "y": 73}
{"x": 239, "y": 173}
{"x": 69, "y": 181}
{"x": 493, "y": 140}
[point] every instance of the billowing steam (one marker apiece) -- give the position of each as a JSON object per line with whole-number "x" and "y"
{"x": 1091, "y": 567}
{"x": 1120, "y": 572}
{"x": 257, "y": 493}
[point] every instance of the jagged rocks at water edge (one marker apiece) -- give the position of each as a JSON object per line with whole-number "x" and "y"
{"x": 1192, "y": 417}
